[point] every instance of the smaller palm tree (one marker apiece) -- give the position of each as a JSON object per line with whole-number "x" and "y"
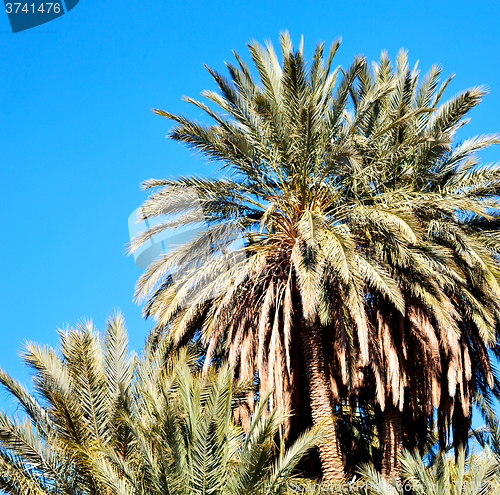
{"x": 477, "y": 474}
{"x": 103, "y": 421}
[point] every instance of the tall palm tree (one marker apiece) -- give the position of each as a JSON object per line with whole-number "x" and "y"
{"x": 295, "y": 305}
{"x": 370, "y": 258}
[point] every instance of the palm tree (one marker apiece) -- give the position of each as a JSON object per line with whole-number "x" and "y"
{"x": 294, "y": 305}
{"x": 103, "y": 421}
{"x": 370, "y": 258}
{"x": 473, "y": 475}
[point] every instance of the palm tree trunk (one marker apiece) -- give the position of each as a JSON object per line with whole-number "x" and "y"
{"x": 320, "y": 400}
{"x": 392, "y": 441}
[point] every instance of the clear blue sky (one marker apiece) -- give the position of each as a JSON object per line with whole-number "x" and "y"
{"x": 77, "y": 135}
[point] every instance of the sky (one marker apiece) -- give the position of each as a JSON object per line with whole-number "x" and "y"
{"x": 77, "y": 135}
